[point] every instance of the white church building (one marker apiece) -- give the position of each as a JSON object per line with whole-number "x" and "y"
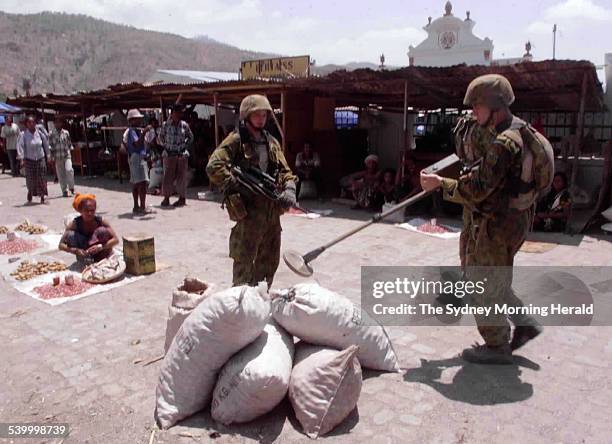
{"x": 451, "y": 41}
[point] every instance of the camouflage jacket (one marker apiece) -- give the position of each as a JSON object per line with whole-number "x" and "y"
{"x": 233, "y": 152}
{"x": 487, "y": 187}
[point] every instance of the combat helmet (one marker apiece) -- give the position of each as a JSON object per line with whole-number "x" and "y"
{"x": 252, "y": 103}
{"x": 492, "y": 90}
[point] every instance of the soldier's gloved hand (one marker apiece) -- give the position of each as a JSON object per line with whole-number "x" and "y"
{"x": 287, "y": 199}
{"x": 231, "y": 184}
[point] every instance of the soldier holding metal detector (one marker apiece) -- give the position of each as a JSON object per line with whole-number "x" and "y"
{"x": 250, "y": 167}
{"x": 511, "y": 165}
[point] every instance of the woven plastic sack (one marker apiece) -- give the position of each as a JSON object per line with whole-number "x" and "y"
{"x": 325, "y": 387}
{"x": 185, "y": 298}
{"x": 256, "y": 379}
{"x": 320, "y": 316}
{"x": 220, "y": 326}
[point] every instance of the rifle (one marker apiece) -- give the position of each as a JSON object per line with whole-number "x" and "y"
{"x": 260, "y": 183}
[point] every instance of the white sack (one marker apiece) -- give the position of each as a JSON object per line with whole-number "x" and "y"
{"x": 320, "y": 316}
{"x": 220, "y": 326}
{"x": 185, "y": 298}
{"x": 256, "y": 379}
{"x": 325, "y": 386}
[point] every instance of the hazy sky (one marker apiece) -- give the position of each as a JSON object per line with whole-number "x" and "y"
{"x": 340, "y": 31}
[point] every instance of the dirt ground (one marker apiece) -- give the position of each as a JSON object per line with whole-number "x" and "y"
{"x": 82, "y": 362}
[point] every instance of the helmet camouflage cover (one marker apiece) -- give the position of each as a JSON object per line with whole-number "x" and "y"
{"x": 492, "y": 90}
{"x": 252, "y": 103}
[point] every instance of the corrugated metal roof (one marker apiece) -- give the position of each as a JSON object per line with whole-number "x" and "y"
{"x": 197, "y": 76}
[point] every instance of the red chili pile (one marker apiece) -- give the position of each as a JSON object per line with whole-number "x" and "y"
{"x": 428, "y": 227}
{"x": 17, "y": 246}
{"x": 50, "y": 291}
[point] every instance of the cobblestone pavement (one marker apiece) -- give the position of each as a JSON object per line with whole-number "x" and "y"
{"x": 83, "y": 362}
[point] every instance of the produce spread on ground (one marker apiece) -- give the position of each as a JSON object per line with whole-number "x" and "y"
{"x": 18, "y": 246}
{"x": 62, "y": 290}
{"x": 28, "y": 269}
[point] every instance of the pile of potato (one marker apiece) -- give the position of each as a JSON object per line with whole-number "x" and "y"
{"x": 27, "y": 227}
{"x": 27, "y": 270}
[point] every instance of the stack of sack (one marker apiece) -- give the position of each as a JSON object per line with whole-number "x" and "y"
{"x": 235, "y": 352}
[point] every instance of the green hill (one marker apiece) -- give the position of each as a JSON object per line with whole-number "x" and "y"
{"x": 64, "y": 53}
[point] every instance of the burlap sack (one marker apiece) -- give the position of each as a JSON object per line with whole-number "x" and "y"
{"x": 255, "y": 379}
{"x": 320, "y": 316}
{"x": 185, "y": 298}
{"x": 325, "y": 386}
{"x": 220, "y": 326}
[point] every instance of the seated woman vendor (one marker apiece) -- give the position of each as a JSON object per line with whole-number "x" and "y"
{"x": 88, "y": 236}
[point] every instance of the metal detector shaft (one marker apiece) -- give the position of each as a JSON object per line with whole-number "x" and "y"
{"x": 311, "y": 255}
{"x": 446, "y": 166}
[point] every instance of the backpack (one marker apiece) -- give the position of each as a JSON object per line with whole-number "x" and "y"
{"x": 537, "y": 165}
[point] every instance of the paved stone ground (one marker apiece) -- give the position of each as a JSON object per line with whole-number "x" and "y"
{"x": 75, "y": 362}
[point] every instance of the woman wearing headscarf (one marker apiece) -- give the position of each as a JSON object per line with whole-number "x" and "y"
{"x": 89, "y": 237}
{"x": 365, "y": 183}
{"x": 33, "y": 153}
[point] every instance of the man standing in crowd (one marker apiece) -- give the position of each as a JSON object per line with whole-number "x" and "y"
{"x": 61, "y": 147}
{"x": 133, "y": 141}
{"x": 176, "y": 138}
{"x": 10, "y": 134}
{"x": 255, "y": 240}
{"x": 498, "y": 222}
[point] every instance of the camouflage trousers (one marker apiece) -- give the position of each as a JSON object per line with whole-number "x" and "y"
{"x": 255, "y": 244}
{"x": 488, "y": 246}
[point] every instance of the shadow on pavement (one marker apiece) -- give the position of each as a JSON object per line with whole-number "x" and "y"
{"x": 131, "y": 215}
{"x": 265, "y": 429}
{"x": 476, "y": 384}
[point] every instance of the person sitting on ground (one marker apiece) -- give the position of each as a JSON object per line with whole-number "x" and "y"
{"x": 553, "y": 210}
{"x": 308, "y": 166}
{"x": 365, "y": 183}
{"x": 386, "y": 188}
{"x": 88, "y": 236}
{"x": 407, "y": 179}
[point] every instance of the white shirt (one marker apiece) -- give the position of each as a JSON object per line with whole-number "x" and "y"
{"x": 313, "y": 162}
{"x": 32, "y": 146}
{"x": 11, "y": 134}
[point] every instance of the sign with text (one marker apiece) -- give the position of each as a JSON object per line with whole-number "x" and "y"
{"x": 277, "y": 68}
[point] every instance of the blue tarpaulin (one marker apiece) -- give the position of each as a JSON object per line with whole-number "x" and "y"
{"x": 6, "y": 108}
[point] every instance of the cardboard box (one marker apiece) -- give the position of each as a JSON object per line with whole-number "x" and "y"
{"x": 139, "y": 254}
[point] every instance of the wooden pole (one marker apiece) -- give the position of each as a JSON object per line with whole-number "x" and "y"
{"x": 405, "y": 149}
{"x": 86, "y": 143}
{"x": 578, "y": 144}
{"x": 44, "y": 119}
{"x": 216, "y": 104}
{"x": 284, "y": 122}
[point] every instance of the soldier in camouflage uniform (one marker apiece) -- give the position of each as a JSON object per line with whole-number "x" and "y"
{"x": 255, "y": 240}
{"x": 493, "y": 230}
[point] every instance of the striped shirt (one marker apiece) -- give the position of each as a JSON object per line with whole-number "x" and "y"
{"x": 176, "y": 138}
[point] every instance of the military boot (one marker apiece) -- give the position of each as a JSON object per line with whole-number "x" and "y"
{"x": 485, "y": 354}
{"x": 523, "y": 334}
